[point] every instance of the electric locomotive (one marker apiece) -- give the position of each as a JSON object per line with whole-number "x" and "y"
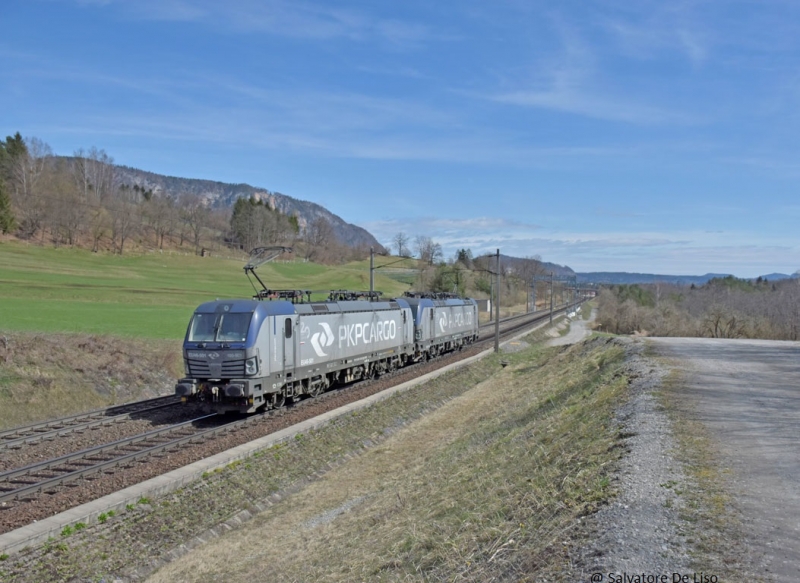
{"x": 248, "y": 355}
{"x": 245, "y": 355}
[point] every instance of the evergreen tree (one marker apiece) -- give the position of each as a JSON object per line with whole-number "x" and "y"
{"x": 254, "y": 224}
{"x": 11, "y": 151}
{"x": 7, "y": 221}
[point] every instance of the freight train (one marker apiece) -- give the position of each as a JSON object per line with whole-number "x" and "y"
{"x": 249, "y": 355}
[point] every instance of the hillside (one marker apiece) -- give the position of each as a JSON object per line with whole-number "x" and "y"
{"x": 223, "y": 195}
{"x": 518, "y": 264}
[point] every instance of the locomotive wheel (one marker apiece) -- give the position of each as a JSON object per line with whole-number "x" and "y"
{"x": 315, "y": 389}
{"x": 278, "y": 401}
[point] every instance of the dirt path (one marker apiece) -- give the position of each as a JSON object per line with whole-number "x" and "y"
{"x": 747, "y": 394}
{"x": 578, "y": 330}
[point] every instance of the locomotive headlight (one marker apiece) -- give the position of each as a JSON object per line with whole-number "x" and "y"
{"x": 251, "y": 365}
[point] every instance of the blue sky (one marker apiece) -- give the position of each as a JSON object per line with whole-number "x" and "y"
{"x": 605, "y": 135}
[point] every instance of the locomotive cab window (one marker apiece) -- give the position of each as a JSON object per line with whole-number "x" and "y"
{"x": 287, "y": 326}
{"x": 202, "y": 328}
{"x": 233, "y": 327}
{"x": 225, "y": 327}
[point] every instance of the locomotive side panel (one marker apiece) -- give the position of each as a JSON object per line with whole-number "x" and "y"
{"x": 443, "y": 325}
{"x": 346, "y": 336}
{"x": 454, "y": 320}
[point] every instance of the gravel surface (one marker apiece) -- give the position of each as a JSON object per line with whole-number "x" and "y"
{"x": 641, "y": 531}
{"x": 744, "y": 393}
{"x": 578, "y": 330}
{"x": 27, "y": 454}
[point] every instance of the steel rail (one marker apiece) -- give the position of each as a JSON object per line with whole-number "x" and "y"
{"x": 63, "y": 431}
{"x": 63, "y": 425}
{"x": 534, "y": 316}
{"x": 510, "y": 324}
{"x": 53, "y": 465}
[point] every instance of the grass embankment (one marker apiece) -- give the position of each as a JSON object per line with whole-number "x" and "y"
{"x": 44, "y": 376}
{"x": 474, "y": 475}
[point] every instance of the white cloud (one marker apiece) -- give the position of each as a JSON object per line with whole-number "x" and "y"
{"x": 581, "y": 101}
{"x": 286, "y": 18}
{"x": 648, "y": 31}
{"x": 572, "y": 80}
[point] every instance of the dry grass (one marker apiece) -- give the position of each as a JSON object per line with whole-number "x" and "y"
{"x": 43, "y": 376}
{"x": 481, "y": 489}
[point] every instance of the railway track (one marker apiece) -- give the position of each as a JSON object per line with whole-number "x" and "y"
{"x": 30, "y": 486}
{"x": 520, "y": 322}
{"x": 44, "y": 476}
{"x": 29, "y": 434}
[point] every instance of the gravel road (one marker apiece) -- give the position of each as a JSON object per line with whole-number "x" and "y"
{"x": 745, "y": 392}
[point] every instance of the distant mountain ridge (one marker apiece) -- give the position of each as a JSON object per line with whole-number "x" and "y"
{"x": 516, "y": 264}
{"x": 224, "y": 195}
{"x": 617, "y": 277}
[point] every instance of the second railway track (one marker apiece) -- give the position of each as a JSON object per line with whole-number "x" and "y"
{"x": 29, "y": 434}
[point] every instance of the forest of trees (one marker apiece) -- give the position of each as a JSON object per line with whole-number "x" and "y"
{"x": 723, "y": 308}
{"x": 82, "y": 201}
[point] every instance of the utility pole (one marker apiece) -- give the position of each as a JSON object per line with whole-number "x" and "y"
{"x": 371, "y": 272}
{"x": 497, "y": 308}
{"x": 528, "y": 292}
{"x": 551, "y": 297}
{"x": 491, "y": 295}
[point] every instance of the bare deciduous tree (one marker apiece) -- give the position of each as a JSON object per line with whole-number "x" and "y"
{"x": 428, "y": 250}
{"x": 158, "y": 215}
{"x": 66, "y": 210}
{"x": 318, "y": 235}
{"x": 99, "y": 226}
{"x": 195, "y": 215}
{"x": 122, "y": 209}
{"x": 94, "y": 175}
{"x": 400, "y": 242}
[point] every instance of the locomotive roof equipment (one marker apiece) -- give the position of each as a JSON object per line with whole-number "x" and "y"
{"x": 339, "y": 295}
{"x": 432, "y": 295}
{"x": 261, "y": 255}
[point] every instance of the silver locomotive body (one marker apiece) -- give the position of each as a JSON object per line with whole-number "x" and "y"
{"x": 245, "y": 355}
{"x": 442, "y": 325}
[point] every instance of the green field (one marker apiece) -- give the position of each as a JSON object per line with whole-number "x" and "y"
{"x": 148, "y": 295}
